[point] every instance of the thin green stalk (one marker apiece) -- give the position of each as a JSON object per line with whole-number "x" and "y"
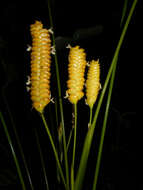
{"x": 89, "y": 136}
{"x": 13, "y": 152}
{"x": 107, "y": 110}
{"x": 124, "y": 11}
{"x": 114, "y": 61}
{"x": 69, "y": 138}
{"x": 56, "y": 112}
{"x": 75, "y": 129}
{"x": 17, "y": 138}
{"x": 103, "y": 129}
{"x": 74, "y": 147}
{"x": 54, "y": 148}
{"x": 60, "y": 148}
{"x": 90, "y": 117}
{"x": 60, "y": 99}
{"x": 42, "y": 160}
{"x": 60, "y": 139}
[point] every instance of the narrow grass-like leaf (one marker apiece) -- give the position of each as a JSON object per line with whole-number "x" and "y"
{"x": 17, "y": 138}
{"x": 124, "y": 11}
{"x": 54, "y": 148}
{"x": 103, "y": 129}
{"x": 114, "y": 61}
{"x": 89, "y": 136}
{"x": 69, "y": 138}
{"x": 13, "y": 152}
{"x": 42, "y": 160}
{"x": 107, "y": 110}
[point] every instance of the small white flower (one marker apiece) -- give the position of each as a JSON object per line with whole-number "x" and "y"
{"x": 68, "y": 46}
{"x": 28, "y": 81}
{"x": 51, "y": 31}
{"x": 67, "y": 95}
{"x": 53, "y": 50}
{"x": 28, "y": 48}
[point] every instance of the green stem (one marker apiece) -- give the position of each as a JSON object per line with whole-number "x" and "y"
{"x": 124, "y": 12}
{"x": 42, "y": 160}
{"x": 89, "y": 136}
{"x": 74, "y": 147}
{"x": 56, "y": 112}
{"x": 69, "y": 138}
{"x": 90, "y": 118}
{"x": 104, "y": 129}
{"x": 60, "y": 99}
{"x": 114, "y": 61}
{"x": 75, "y": 128}
{"x": 13, "y": 152}
{"x": 54, "y": 148}
{"x": 107, "y": 110}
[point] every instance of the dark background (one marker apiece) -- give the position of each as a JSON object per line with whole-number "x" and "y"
{"x": 95, "y": 26}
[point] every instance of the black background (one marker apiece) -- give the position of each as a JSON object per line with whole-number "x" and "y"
{"x": 121, "y": 165}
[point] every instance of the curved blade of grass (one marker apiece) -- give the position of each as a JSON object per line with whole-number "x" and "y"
{"x": 107, "y": 110}
{"x": 60, "y": 98}
{"x": 17, "y": 138}
{"x": 42, "y": 160}
{"x": 13, "y": 152}
{"x": 89, "y": 136}
{"x": 124, "y": 11}
{"x": 114, "y": 60}
{"x": 103, "y": 129}
{"x": 54, "y": 148}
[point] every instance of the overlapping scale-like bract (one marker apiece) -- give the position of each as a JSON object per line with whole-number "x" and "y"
{"x": 93, "y": 82}
{"x": 40, "y": 66}
{"x": 76, "y": 69}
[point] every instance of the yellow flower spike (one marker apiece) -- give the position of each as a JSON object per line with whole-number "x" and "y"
{"x": 40, "y": 66}
{"x": 93, "y": 83}
{"x": 76, "y": 68}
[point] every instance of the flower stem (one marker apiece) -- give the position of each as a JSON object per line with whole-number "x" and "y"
{"x": 60, "y": 99}
{"x": 74, "y": 147}
{"x": 90, "y": 117}
{"x": 54, "y": 148}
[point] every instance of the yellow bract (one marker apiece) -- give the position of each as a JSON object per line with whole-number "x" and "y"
{"x": 76, "y": 69}
{"x": 40, "y": 66}
{"x": 93, "y": 82}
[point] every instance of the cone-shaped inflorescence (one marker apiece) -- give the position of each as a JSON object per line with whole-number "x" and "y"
{"x": 40, "y": 66}
{"x": 93, "y": 82}
{"x": 76, "y": 69}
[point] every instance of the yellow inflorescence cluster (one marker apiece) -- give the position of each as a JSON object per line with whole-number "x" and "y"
{"x": 93, "y": 82}
{"x": 76, "y": 69}
{"x": 40, "y": 66}
{"x": 40, "y": 71}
